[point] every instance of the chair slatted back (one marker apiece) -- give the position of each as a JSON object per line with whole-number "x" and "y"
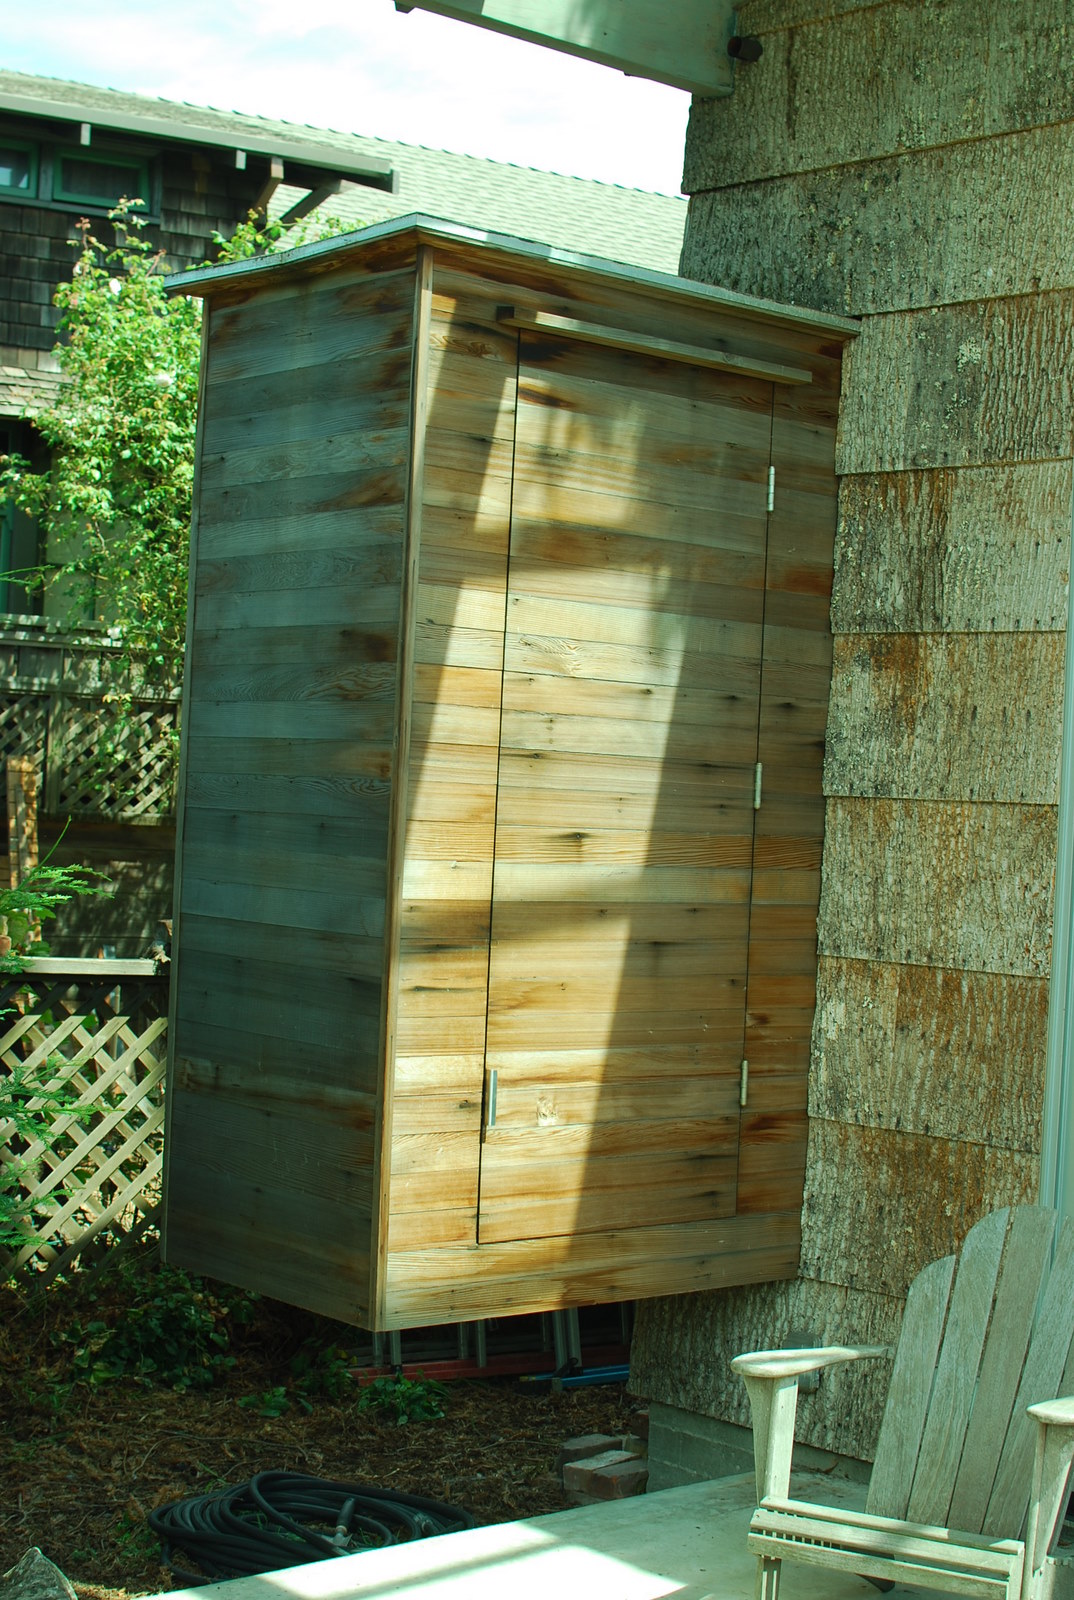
{"x": 984, "y": 1335}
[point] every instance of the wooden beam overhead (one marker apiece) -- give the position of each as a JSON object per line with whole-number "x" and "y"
{"x": 311, "y": 201}
{"x": 272, "y": 182}
{"x": 684, "y": 45}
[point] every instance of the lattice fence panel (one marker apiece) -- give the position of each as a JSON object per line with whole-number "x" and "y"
{"x": 132, "y": 777}
{"x": 93, "y": 1179}
{"x": 23, "y": 721}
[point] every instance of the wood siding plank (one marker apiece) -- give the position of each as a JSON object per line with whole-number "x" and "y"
{"x": 289, "y": 687}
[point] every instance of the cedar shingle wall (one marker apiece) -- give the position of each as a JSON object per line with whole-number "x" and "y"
{"x": 867, "y": 164}
{"x": 34, "y": 258}
{"x": 199, "y": 196}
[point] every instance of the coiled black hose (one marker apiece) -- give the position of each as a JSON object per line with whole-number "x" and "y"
{"x": 283, "y": 1519}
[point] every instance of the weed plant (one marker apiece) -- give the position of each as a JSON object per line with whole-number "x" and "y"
{"x": 406, "y": 1400}
{"x": 153, "y": 1325}
{"x": 174, "y": 1332}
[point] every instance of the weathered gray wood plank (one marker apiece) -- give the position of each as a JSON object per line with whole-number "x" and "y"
{"x": 915, "y": 90}
{"x": 353, "y": 446}
{"x": 307, "y": 421}
{"x": 363, "y": 801}
{"x": 956, "y": 1371}
{"x": 381, "y": 484}
{"x": 984, "y": 549}
{"x": 272, "y": 1225}
{"x": 910, "y": 1390}
{"x": 271, "y": 906}
{"x": 1026, "y": 1261}
{"x": 929, "y": 1050}
{"x": 375, "y": 374}
{"x": 294, "y": 328}
{"x": 847, "y": 238}
{"x": 976, "y": 363}
{"x": 924, "y": 1195}
{"x": 966, "y": 886}
{"x": 326, "y": 949}
{"x": 947, "y": 717}
{"x": 335, "y": 609}
{"x": 244, "y": 1051}
{"x": 1046, "y": 1360}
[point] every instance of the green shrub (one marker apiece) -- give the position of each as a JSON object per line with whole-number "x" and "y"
{"x": 31, "y": 1102}
{"x": 406, "y": 1399}
{"x": 174, "y": 1332}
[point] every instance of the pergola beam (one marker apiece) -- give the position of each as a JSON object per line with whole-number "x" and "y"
{"x": 684, "y": 44}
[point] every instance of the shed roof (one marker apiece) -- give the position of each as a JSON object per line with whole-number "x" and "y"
{"x": 605, "y": 219}
{"x": 434, "y": 230}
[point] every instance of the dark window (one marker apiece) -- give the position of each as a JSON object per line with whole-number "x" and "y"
{"x": 98, "y": 179}
{"x": 18, "y": 168}
{"x": 20, "y": 546}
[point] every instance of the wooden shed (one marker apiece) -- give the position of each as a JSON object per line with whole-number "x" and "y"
{"x": 501, "y": 816}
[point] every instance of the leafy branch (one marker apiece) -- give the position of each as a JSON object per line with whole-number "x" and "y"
{"x": 114, "y": 505}
{"x": 28, "y": 1105}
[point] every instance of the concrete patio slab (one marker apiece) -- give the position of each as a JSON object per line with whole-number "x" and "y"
{"x": 689, "y": 1543}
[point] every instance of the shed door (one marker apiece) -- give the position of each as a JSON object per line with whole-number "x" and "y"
{"x": 624, "y": 825}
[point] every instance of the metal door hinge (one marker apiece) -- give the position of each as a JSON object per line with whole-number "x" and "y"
{"x": 744, "y": 1083}
{"x": 771, "y": 488}
{"x": 490, "y": 1098}
{"x": 757, "y": 771}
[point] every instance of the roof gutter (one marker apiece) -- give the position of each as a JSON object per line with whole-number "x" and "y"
{"x": 372, "y": 171}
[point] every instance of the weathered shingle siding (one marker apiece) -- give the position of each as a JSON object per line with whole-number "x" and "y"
{"x": 34, "y": 258}
{"x": 877, "y": 163}
{"x": 38, "y": 244}
{"x": 200, "y": 196}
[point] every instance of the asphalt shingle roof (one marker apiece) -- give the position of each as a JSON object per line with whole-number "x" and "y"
{"x": 578, "y": 214}
{"x": 22, "y": 392}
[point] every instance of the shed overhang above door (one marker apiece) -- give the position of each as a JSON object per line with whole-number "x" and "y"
{"x": 684, "y": 45}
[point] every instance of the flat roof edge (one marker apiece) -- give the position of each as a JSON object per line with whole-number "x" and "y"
{"x": 432, "y": 230}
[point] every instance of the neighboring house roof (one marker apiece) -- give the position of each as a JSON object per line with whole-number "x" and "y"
{"x": 602, "y": 219}
{"x": 23, "y": 392}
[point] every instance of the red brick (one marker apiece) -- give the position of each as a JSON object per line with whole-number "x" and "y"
{"x": 639, "y": 1422}
{"x": 586, "y": 1444}
{"x": 612, "y": 1475}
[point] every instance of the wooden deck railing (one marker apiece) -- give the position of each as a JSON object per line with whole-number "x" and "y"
{"x": 93, "y": 1180}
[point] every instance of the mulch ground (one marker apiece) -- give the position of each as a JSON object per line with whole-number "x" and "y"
{"x": 82, "y": 1465}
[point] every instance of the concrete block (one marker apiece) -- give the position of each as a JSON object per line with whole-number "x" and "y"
{"x": 685, "y": 1447}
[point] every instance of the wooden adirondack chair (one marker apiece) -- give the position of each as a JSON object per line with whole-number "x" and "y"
{"x": 957, "y": 1500}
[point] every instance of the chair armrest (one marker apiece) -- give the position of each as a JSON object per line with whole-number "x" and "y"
{"x": 1053, "y": 1413}
{"x": 1050, "y": 1491}
{"x": 792, "y": 1363}
{"x": 771, "y": 1378}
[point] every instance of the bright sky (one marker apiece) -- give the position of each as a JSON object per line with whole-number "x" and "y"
{"x": 362, "y": 67}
